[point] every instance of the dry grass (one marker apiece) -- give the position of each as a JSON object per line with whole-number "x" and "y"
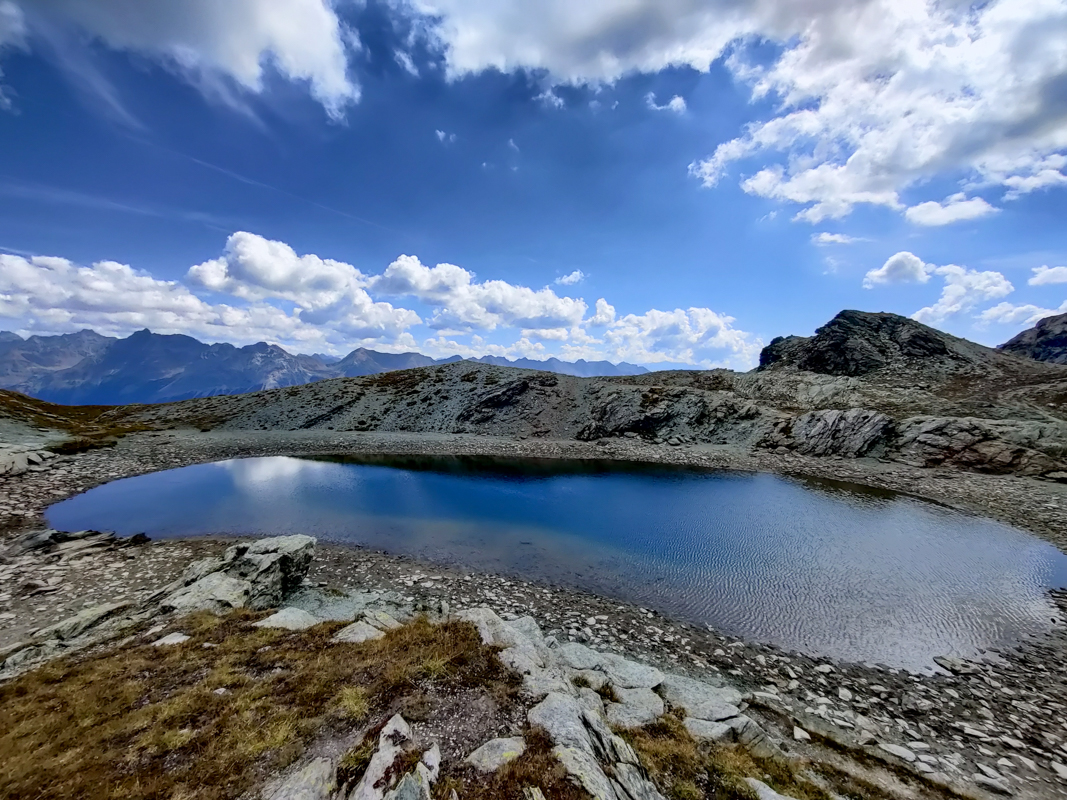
{"x": 210, "y": 722}
{"x": 536, "y": 767}
{"x": 685, "y": 770}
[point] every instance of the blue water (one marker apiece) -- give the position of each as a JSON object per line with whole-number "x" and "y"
{"x": 825, "y": 569}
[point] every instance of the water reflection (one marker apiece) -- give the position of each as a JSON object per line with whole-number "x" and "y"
{"x": 860, "y": 575}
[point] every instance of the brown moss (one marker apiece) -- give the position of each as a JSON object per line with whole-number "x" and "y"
{"x": 149, "y": 722}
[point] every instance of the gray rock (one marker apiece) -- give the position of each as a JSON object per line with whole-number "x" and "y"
{"x": 586, "y": 772}
{"x": 218, "y": 593}
{"x": 357, "y": 632}
{"x": 852, "y": 433}
{"x": 590, "y": 700}
{"x": 274, "y": 566}
{"x": 636, "y": 707}
{"x": 578, "y": 656}
{"x": 626, "y": 674}
{"x": 413, "y": 786}
{"x": 539, "y": 683}
{"x": 391, "y": 742}
{"x": 998, "y": 785}
{"x": 957, "y": 666}
{"x": 765, "y": 792}
{"x": 81, "y": 622}
{"x": 631, "y": 784}
{"x": 754, "y": 739}
{"x": 172, "y": 639}
{"x": 495, "y": 753}
{"x": 698, "y": 699}
{"x": 381, "y": 620}
{"x": 707, "y": 731}
{"x": 561, "y": 717}
{"x": 291, "y": 619}
{"x": 316, "y": 781}
{"x": 897, "y": 750}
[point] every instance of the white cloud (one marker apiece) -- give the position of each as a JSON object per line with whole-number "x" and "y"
{"x": 697, "y": 336}
{"x": 1008, "y": 314}
{"x": 964, "y": 289}
{"x": 205, "y": 39}
{"x": 675, "y": 104}
{"x": 12, "y": 34}
{"x": 324, "y": 291}
{"x": 462, "y": 303}
{"x": 47, "y": 295}
{"x": 569, "y": 280}
{"x": 445, "y": 138}
{"x": 953, "y": 209}
{"x": 902, "y": 267}
{"x": 1043, "y": 276}
{"x": 834, "y": 238}
{"x": 605, "y": 313}
{"x": 262, "y": 290}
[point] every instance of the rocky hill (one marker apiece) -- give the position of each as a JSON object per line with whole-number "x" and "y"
{"x": 1046, "y": 341}
{"x": 146, "y": 367}
{"x": 866, "y": 385}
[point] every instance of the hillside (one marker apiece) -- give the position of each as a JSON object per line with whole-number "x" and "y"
{"x": 1046, "y": 341}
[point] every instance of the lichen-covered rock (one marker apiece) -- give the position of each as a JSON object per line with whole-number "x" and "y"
{"x": 495, "y": 753}
{"x": 315, "y": 781}
{"x": 636, "y": 707}
{"x": 274, "y": 566}
{"x": 706, "y": 731}
{"x": 357, "y": 633}
{"x": 217, "y": 592}
{"x": 290, "y": 619}
{"x": 583, "y": 768}
{"x": 75, "y": 626}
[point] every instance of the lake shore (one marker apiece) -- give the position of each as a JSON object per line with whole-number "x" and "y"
{"x": 1004, "y": 716}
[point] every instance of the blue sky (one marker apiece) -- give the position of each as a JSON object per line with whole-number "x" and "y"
{"x": 668, "y": 182}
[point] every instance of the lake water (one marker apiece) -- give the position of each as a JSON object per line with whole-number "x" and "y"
{"x": 825, "y": 569}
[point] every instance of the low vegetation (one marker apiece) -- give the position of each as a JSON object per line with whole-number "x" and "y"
{"x": 687, "y": 770}
{"x": 214, "y": 716}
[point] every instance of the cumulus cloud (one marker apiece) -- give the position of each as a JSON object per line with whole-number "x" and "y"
{"x": 902, "y": 267}
{"x": 569, "y": 280}
{"x": 205, "y": 39}
{"x": 1043, "y": 276}
{"x": 697, "y": 336}
{"x": 462, "y": 303}
{"x": 323, "y": 290}
{"x": 263, "y": 290}
{"x": 46, "y": 294}
{"x": 675, "y": 104}
{"x": 1028, "y": 314}
{"x": 445, "y": 138}
{"x": 964, "y": 289}
{"x": 834, "y": 238}
{"x": 954, "y": 209}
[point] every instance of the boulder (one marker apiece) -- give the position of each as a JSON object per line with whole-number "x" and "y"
{"x": 357, "y": 632}
{"x": 217, "y": 592}
{"x": 765, "y": 792}
{"x": 172, "y": 639}
{"x": 495, "y": 753}
{"x": 291, "y": 619}
{"x": 706, "y": 731}
{"x": 561, "y": 717}
{"x": 584, "y": 770}
{"x": 391, "y": 743}
{"x": 631, "y": 783}
{"x": 698, "y": 699}
{"x": 316, "y": 781}
{"x": 75, "y": 626}
{"x": 636, "y": 707}
{"x": 274, "y": 566}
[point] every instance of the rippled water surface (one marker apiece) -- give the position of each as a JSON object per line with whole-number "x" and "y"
{"x": 848, "y": 573}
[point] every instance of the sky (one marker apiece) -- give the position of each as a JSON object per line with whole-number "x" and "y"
{"x": 651, "y": 181}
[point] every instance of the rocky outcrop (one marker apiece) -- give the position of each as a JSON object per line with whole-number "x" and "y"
{"x": 856, "y": 343}
{"x": 1046, "y": 341}
{"x": 17, "y": 460}
{"x": 257, "y": 575}
{"x": 852, "y": 433}
{"x": 248, "y": 575}
{"x": 981, "y": 445}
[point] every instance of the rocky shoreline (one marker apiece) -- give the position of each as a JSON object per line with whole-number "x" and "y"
{"x": 996, "y": 726}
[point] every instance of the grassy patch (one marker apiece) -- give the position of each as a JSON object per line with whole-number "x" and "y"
{"x": 684, "y": 769}
{"x": 210, "y": 722}
{"x": 537, "y": 767}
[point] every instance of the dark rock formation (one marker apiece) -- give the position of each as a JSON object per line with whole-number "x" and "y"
{"x": 857, "y": 343}
{"x": 1046, "y": 341}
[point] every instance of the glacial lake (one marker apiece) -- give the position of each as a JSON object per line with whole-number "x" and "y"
{"x": 822, "y": 568}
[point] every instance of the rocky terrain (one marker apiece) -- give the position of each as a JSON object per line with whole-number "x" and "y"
{"x": 1046, "y": 341}
{"x": 870, "y": 399}
{"x": 610, "y": 687}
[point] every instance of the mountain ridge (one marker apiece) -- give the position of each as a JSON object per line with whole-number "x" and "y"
{"x": 86, "y": 368}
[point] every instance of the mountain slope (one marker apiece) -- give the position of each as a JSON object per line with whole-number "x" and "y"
{"x": 1046, "y": 341}
{"x": 86, "y": 368}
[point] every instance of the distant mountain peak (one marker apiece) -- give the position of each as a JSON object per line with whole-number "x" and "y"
{"x": 1046, "y": 341}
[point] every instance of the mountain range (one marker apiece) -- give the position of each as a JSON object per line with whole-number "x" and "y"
{"x": 86, "y": 368}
